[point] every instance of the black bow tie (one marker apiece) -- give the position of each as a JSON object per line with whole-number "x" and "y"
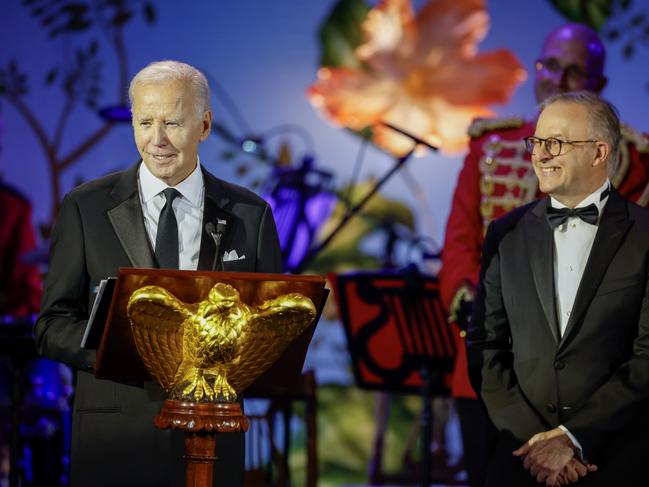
{"x": 558, "y": 216}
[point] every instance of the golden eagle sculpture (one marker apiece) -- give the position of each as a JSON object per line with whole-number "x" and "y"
{"x": 209, "y": 351}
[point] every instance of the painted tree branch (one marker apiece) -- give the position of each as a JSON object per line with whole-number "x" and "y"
{"x": 33, "y": 123}
{"x": 109, "y": 17}
{"x": 85, "y": 145}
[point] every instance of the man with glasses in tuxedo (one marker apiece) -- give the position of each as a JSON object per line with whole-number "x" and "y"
{"x": 497, "y": 177}
{"x": 558, "y": 346}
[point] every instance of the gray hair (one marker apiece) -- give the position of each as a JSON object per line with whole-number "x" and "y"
{"x": 603, "y": 117}
{"x": 164, "y": 71}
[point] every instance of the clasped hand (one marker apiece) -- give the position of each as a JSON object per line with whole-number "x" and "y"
{"x": 550, "y": 459}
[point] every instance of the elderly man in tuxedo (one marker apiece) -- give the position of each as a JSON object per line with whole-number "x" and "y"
{"x": 153, "y": 214}
{"x": 558, "y": 347}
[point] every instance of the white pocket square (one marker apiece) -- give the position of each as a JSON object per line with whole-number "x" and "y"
{"x": 232, "y": 255}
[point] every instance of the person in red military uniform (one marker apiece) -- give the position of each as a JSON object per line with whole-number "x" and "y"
{"x": 20, "y": 296}
{"x": 46, "y": 385}
{"x": 20, "y": 282}
{"x": 497, "y": 177}
{"x": 20, "y": 285}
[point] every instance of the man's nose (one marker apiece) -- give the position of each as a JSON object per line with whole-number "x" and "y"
{"x": 159, "y": 135}
{"x": 564, "y": 79}
{"x": 541, "y": 154}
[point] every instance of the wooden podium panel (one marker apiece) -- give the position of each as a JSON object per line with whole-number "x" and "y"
{"x": 117, "y": 356}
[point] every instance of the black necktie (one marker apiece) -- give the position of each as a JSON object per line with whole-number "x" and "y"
{"x": 558, "y": 216}
{"x": 166, "y": 240}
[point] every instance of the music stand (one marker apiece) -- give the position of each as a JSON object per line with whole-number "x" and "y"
{"x": 398, "y": 337}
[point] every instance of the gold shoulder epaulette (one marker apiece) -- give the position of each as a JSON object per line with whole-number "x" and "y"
{"x": 640, "y": 140}
{"x": 480, "y": 126}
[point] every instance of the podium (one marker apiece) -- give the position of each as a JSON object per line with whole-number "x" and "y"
{"x": 208, "y": 338}
{"x": 398, "y": 338}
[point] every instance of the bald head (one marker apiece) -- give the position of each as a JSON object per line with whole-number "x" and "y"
{"x": 572, "y": 59}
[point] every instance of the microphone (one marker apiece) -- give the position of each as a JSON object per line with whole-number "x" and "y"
{"x": 216, "y": 234}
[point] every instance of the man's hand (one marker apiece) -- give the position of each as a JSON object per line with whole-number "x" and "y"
{"x": 574, "y": 471}
{"x": 546, "y": 455}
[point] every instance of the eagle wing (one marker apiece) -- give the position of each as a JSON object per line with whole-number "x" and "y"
{"x": 270, "y": 330}
{"x": 157, "y": 318}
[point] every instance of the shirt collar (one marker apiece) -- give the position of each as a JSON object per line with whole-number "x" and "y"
{"x": 595, "y": 197}
{"x": 190, "y": 188}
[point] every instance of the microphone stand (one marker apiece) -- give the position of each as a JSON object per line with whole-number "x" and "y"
{"x": 399, "y": 162}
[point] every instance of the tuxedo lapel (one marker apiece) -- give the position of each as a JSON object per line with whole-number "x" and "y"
{"x": 216, "y": 199}
{"x": 613, "y": 226}
{"x": 540, "y": 248}
{"x": 128, "y": 222}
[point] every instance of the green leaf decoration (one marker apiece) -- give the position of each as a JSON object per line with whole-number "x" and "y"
{"x": 341, "y": 34}
{"x": 344, "y": 253}
{"x": 346, "y": 432}
{"x": 590, "y": 12}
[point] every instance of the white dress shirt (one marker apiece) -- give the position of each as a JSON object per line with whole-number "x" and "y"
{"x": 572, "y": 243}
{"x": 188, "y": 208}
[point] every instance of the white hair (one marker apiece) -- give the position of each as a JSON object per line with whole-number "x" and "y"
{"x": 164, "y": 71}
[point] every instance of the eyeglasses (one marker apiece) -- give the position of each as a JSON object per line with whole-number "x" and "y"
{"x": 572, "y": 71}
{"x": 551, "y": 144}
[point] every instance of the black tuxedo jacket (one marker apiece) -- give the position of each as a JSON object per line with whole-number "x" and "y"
{"x": 594, "y": 379}
{"x": 99, "y": 228}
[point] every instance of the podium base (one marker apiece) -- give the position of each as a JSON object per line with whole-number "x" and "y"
{"x": 201, "y": 422}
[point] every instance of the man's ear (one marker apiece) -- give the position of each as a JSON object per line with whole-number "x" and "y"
{"x": 207, "y": 125}
{"x": 602, "y": 153}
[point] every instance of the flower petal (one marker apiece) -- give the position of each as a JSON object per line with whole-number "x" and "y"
{"x": 354, "y": 99}
{"x": 422, "y": 75}
{"x": 434, "y": 120}
{"x": 483, "y": 80}
{"x": 453, "y": 25}
{"x": 388, "y": 26}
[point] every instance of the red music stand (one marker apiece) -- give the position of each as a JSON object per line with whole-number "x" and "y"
{"x": 398, "y": 337}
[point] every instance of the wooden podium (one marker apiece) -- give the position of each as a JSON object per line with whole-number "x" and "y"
{"x": 118, "y": 357}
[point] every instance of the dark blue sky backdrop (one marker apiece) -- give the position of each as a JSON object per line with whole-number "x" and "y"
{"x": 264, "y": 54}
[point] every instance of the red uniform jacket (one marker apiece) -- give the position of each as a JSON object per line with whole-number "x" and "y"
{"x": 20, "y": 283}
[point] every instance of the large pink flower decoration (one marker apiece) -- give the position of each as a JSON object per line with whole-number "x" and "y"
{"x": 420, "y": 73}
